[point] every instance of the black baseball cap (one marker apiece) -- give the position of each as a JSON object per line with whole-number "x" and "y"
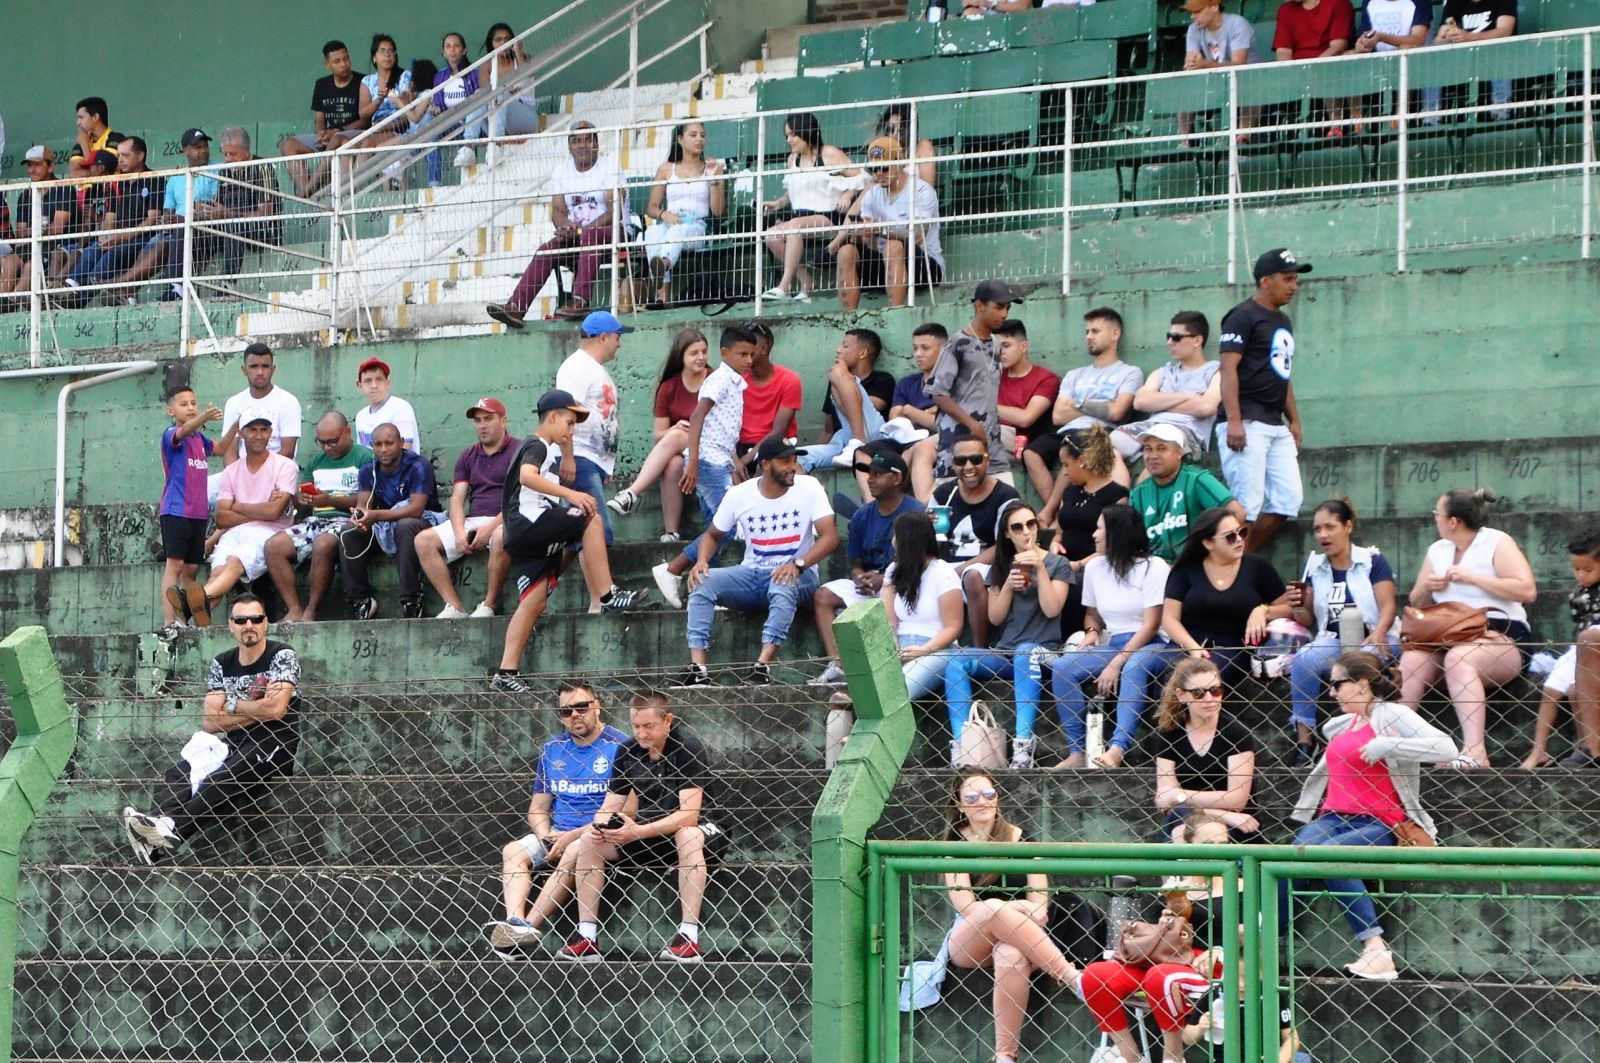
{"x": 886, "y": 460}
{"x": 1279, "y": 260}
{"x": 777, "y": 448}
{"x": 557, "y": 399}
{"x": 995, "y": 290}
{"x": 191, "y": 137}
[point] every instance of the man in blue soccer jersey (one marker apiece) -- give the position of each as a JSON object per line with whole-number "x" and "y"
{"x": 573, "y": 775}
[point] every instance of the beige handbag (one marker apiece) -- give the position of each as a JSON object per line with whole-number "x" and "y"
{"x": 983, "y": 742}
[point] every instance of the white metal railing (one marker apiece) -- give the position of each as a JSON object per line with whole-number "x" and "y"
{"x": 352, "y": 257}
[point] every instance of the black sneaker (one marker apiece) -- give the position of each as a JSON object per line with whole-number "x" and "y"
{"x": 618, "y": 600}
{"x": 365, "y": 610}
{"x": 508, "y": 683}
{"x": 410, "y": 609}
{"x": 695, "y": 676}
{"x": 760, "y": 674}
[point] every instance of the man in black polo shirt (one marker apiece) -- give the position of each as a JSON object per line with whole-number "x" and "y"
{"x": 664, "y": 768}
{"x": 247, "y": 739}
{"x": 1258, "y": 438}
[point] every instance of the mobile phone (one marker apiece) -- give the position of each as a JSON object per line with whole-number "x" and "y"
{"x": 309, "y": 488}
{"x": 613, "y": 823}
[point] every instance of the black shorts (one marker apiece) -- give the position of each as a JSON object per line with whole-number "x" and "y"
{"x": 1048, "y": 447}
{"x": 183, "y": 539}
{"x": 536, "y": 552}
{"x": 872, "y": 272}
{"x": 662, "y": 851}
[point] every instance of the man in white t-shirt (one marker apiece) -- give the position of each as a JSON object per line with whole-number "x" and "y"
{"x": 255, "y": 501}
{"x": 1186, "y": 391}
{"x": 1100, "y": 393}
{"x": 787, "y": 526}
{"x": 283, "y": 407}
{"x": 592, "y": 458}
{"x": 582, "y": 197}
{"x": 876, "y": 257}
{"x": 382, "y": 407}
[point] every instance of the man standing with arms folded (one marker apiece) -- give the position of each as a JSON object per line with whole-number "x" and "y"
{"x": 475, "y": 514}
{"x": 1259, "y": 442}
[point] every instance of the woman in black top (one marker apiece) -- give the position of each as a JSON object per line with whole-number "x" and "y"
{"x": 1219, "y": 598}
{"x": 1204, "y": 760}
{"x": 1083, "y": 488}
{"x": 1000, "y": 918}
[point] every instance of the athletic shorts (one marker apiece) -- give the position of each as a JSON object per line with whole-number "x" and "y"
{"x": 248, "y": 543}
{"x": 447, "y": 536}
{"x": 662, "y": 851}
{"x": 183, "y": 539}
{"x": 536, "y": 553}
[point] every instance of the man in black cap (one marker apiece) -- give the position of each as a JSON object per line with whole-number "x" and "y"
{"x": 1259, "y": 440}
{"x": 965, "y": 382}
{"x": 869, "y": 545}
{"x": 166, "y": 247}
{"x": 787, "y": 526}
{"x": 544, "y": 520}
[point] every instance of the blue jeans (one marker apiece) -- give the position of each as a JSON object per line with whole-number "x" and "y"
{"x": 1071, "y": 670}
{"x": 97, "y": 265}
{"x": 591, "y": 481}
{"x": 924, "y": 675}
{"x": 821, "y": 455}
{"x": 1311, "y": 665}
{"x": 711, "y": 482}
{"x": 750, "y": 589}
{"x": 1339, "y": 828}
{"x": 972, "y": 663}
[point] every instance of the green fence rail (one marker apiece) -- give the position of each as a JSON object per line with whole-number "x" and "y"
{"x": 1275, "y": 968}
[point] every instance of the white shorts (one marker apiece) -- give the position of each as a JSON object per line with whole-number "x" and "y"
{"x": 845, "y": 589}
{"x": 1564, "y": 675}
{"x": 1265, "y": 475}
{"x": 534, "y": 847}
{"x": 248, "y": 543}
{"x": 447, "y": 536}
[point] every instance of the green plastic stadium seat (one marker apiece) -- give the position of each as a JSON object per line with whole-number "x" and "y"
{"x": 1079, "y": 61}
{"x": 785, "y": 96}
{"x": 1051, "y": 25}
{"x": 1000, "y": 70}
{"x": 1131, "y": 23}
{"x": 934, "y": 77}
{"x": 873, "y": 88}
{"x": 1556, "y": 15}
{"x": 1175, "y": 171}
{"x": 967, "y": 36}
{"x": 835, "y": 48}
{"x": 1265, "y": 31}
{"x": 902, "y": 42}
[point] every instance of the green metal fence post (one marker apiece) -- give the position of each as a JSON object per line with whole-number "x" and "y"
{"x": 851, "y": 803}
{"x": 47, "y": 733}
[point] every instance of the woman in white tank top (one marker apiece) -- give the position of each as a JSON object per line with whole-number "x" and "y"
{"x": 686, "y": 194}
{"x": 820, "y": 187}
{"x": 1478, "y": 566}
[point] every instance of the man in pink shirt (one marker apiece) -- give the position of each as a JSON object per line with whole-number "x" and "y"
{"x": 255, "y": 501}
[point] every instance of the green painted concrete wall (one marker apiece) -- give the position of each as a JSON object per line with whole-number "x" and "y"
{"x": 165, "y": 67}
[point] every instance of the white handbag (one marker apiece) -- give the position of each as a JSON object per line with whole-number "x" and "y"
{"x": 983, "y": 743}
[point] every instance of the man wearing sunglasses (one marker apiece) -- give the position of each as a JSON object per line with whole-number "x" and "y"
{"x": 869, "y": 545}
{"x": 248, "y": 738}
{"x": 973, "y": 501}
{"x": 1186, "y": 391}
{"x": 569, "y": 786}
{"x": 327, "y": 493}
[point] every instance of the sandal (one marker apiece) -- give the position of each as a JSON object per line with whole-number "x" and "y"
{"x": 1111, "y": 758}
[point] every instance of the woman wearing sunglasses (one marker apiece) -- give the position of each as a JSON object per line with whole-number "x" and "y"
{"x": 1205, "y": 760}
{"x": 1367, "y": 783}
{"x": 1027, "y": 587}
{"x": 1000, "y": 919}
{"x": 1219, "y": 598}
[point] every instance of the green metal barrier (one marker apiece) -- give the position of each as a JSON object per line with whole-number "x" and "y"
{"x": 47, "y": 733}
{"x": 897, "y": 871}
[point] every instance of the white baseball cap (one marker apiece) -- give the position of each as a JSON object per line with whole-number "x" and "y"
{"x": 1169, "y": 433}
{"x": 900, "y": 430}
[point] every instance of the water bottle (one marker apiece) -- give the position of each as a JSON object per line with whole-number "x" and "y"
{"x": 1352, "y": 629}
{"x": 936, "y": 10}
{"x": 1095, "y": 722}
{"x": 1219, "y": 1012}
{"x": 1124, "y": 908}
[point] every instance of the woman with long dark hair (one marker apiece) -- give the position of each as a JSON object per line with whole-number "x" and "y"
{"x": 676, "y": 396}
{"x": 1027, "y": 587}
{"x": 1083, "y": 489}
{"x": 1124, "y": 588}
{"x": 895, "y": 121}
{"x": 1367, "y": 783}
{"x": 1480, "y": 566}
{"x": 386, "y": 89}
{"x": 518, "y": 116}
{"x": 1341, "y": 576}
{"x": 1205, "y": 760}
{"x": 819, "y": 187}
{"x": 1220, "y": 599}
{"x": 452, "y": 86}
{"x": 922, "y": 595}
{"x": 1001, "y": 919}
{"x": 684, "y": 198}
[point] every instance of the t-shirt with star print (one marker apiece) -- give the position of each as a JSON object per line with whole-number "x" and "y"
{"x": 775, "y": 530}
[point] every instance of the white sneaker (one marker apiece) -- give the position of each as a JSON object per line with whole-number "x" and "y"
{"x": 846, "y": 458}
{"x": 450, "y": 612}
{"x": 1022, "y": 753}
{"x": 668, "y": 585}
{"x": 153, "y": 831}
{"x": 1374, "y": 967}
{"x": 622, "y": 502}
{"x": 484, "y": 609}
{"x": 513, "y": 933}
{"x": 466, "y": 156}
{"x": 832, "y": 676}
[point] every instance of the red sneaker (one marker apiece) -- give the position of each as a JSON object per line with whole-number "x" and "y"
{"x": 681, "y": 950}
{"x": 580, "y": 950}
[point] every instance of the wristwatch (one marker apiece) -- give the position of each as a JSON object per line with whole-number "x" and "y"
{"x": 800, "y": 563}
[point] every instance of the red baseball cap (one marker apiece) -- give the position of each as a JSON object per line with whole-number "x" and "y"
{"x": 372, "y": 363}
{"x": 487, "y": 404}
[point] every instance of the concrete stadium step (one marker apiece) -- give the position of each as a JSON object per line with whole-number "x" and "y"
{"x": 475, "y": 1008}
{"x": 405, "y": 914}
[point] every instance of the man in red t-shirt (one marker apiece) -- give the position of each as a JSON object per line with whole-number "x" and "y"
{"x": 773, "y": 395}
{"x": 1027, "y": 391}
{"x": 1317, "y": 29}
